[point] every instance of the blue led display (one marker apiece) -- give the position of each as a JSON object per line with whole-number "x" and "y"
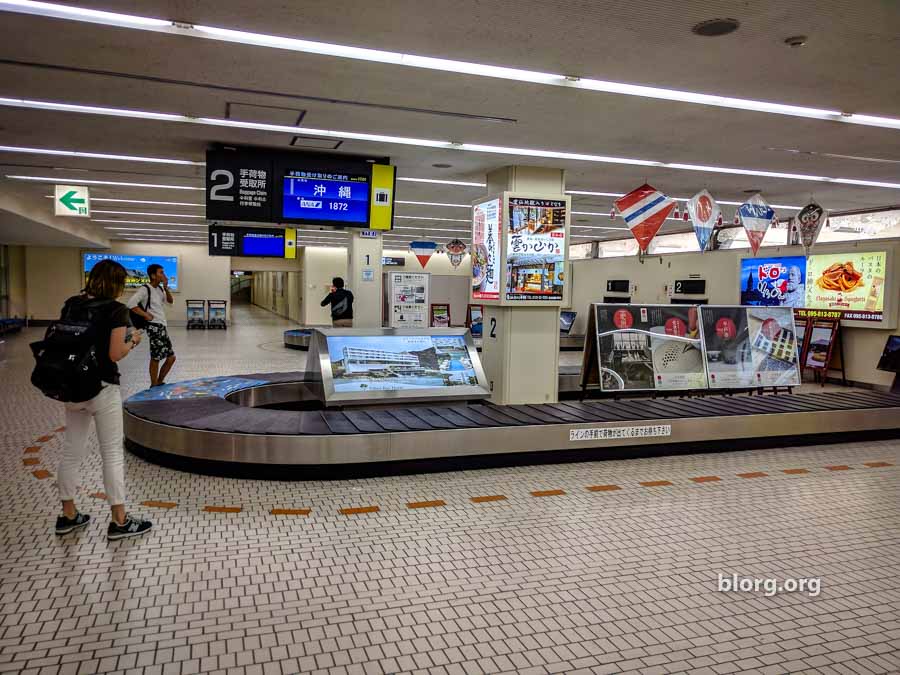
{"x": 337, "y": 198}
{"x": 263, "y": 244}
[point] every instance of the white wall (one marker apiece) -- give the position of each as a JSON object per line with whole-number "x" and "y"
{"x": 320, "y": 266}
{"x": 18, "y": 301}
{"x": 53, "y": 274}
{"x": 863, "y": 342}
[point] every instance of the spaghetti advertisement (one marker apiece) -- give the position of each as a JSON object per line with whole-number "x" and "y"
{"x": 852, "y": 283}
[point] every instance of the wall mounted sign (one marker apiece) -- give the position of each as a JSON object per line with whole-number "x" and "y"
{"x": 779, "y": 282}
{"x": 393, "y": 261}
{"x": 705, "y": 213}
{"x": 409, "y": 299}
{"x": 852, "y": 283}
{"x": 756, "y": 216}
{"x": 270, "y": 186}
{"x": 72, "y": 200}
{"x": 486, "y": 237}
{"x": 644, "y": 210}
{"x": 535, "y": 249}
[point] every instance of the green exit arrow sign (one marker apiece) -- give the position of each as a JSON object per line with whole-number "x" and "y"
{"x": 72, "y": 200}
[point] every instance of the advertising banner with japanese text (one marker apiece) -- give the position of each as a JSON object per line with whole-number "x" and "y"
{"x": 535, "y": 249}
{"x": 750, "y": 346}
{"x": 649, "y": 347}
{"x": 778, "y": 282}
{"x": 486, "y": 236}
{"x": 852, "y": 283}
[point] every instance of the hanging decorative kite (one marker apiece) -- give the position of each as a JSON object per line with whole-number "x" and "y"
{"x": 705, "y": 213}
{"x": 644, "y": 210}
{"x": 455, "y": 252}
{"x": 809, "y": 222}
{"x": 756, "y": 216}
{"x": 423, "y": 250}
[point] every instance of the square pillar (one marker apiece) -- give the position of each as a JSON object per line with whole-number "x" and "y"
{"x": 364, "y": 269}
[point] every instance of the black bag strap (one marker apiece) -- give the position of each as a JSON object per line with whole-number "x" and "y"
{"x": 147, "y": 307}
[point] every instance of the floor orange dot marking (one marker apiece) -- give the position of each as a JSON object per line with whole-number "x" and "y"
{"x": 793, "y": 472}
{"x": 872, "y": 465}
{"x": 426, "y": 505}
{"x": 656, "y": 483}
{"x": 41, "y": 474}
{"x": 98, "y": 495}
{"x": 547, "y": 493}
{"x": 603, "y": 488}
{"x": 32, "y": 449}
{"x": 31, "y": 461}
{"x": 488, "y": 498}
{"x": 705, "y": 479}
{"x": 838, "y": 467}
{"x": 60, "y": 429}
{"x": 359, "y": 509}
{"x": 159, "y": 505}
{"x": 753, "y": 474}
{"x": 44, "y": 439}
{"x": 290, "y": 512}
{"x": 222, "y": 509}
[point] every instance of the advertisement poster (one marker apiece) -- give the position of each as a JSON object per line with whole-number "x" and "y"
{"x": 409, "y": 300}
{"x": 750, "y": 347}
{"x": 649, "y": 347}
{"x": 486, "y": 220}
{"x": 852, "y": 283}
{"x": 775, "y": 282}
{"x": 399, "y": 362}
{"x": 820, "y": 338}
{"x": 440, "y": 316}
{"x": 476, "y": 320}
{"x": 135, "y": 267}
{"x": 535, "y": 249}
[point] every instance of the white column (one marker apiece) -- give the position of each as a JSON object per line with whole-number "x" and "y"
{"x": 364, "y": 278}
{"x": 520, "y": 345}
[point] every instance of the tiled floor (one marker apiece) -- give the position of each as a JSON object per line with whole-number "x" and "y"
{"x": 578, "y": 580}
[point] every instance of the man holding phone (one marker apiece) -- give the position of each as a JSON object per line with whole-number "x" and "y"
{"x": 148, "y": 306}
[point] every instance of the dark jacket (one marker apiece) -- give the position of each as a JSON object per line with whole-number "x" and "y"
{"x": 341, "y": 304}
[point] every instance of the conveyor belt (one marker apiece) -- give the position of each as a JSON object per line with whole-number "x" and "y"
{"x": 199, "y": 421}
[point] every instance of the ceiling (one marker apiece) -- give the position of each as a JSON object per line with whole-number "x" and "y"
{"x": 850, "y": 57}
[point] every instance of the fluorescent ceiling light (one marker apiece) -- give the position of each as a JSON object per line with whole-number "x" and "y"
{"x": 144, "y": 222}
{"x": 448, "y": 220}
{"x": 460, "y": 206}
{"x": 78, "y": 181}
{"x": 431, "y": 229}
{"x": 144, "y": 213}
{"x": 97, "y": 155}
{"x": 138, "y": 201}
{"x": 148, "y": 229}
{"x": 567, "y": 80}
{"x": 401, "y": 140}
{"x": 440, "y": 182}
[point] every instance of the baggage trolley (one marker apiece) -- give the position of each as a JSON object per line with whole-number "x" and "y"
{"x": 217, "y": 314}
{"x": 196, "y": 313}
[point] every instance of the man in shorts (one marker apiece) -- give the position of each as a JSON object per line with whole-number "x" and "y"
{"x": 149, "y": 302}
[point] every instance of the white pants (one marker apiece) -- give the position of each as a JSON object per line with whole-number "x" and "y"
{"x": 106, "y": 409}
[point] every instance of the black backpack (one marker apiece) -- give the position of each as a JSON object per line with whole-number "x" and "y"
{"x": 139, "y": 322}
{"x": 66, "y": 366}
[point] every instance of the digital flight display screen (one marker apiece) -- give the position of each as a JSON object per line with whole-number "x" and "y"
{"x": 264, "y": 244}
{"x": 326, "y": 198}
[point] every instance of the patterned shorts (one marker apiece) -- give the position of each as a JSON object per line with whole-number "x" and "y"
{"x": 160, "y": 344}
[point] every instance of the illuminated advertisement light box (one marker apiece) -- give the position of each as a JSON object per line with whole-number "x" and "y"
{"x": 749, "y": 346}
{"x": 774, "y": 282}
{"x": 852, "y": 283}
{"x": 649, "y": 347}
{"x": 486, "y": 240}
{"x": 535, "y": 249}
{"x": 366, "y": 365}
{"x": 135, "y": 267}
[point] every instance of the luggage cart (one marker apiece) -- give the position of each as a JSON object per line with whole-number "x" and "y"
{"x": 196, "y": 313}
{"x": 217, "y": 314}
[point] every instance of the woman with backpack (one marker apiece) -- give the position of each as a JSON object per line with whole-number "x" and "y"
{"x": 102, "y": 324}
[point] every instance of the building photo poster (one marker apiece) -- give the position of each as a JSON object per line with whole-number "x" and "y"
{"x": 535, "y": 249}
{"x": 649, "y": 347}
{"x": 750, "y": 347}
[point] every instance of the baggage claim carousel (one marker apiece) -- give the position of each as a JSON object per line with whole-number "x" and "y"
{"x": 273, "y": 425}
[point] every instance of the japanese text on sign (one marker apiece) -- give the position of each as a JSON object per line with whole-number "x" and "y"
{"x": 611, "y": 433}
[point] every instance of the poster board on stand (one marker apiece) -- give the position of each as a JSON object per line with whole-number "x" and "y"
{"x": 475, "y": 319}
{"x": 409, "y": 299}
{"x": 440, "y": 315}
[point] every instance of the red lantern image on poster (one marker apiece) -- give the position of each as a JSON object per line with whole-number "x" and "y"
{"x": 622, "y": 319}
{"x": 675, "y": 326}
{"x": 726, "y": 329}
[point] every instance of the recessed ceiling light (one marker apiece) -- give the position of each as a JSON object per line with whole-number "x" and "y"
{"x": 715, "y": 27}
{"x": 94, "y": 155}
{"x": 144, "y": 222}
{"x": 796, "y": 41}
{"x": 58, "y": 180}
{"x": 145, "y": 213}
{"x": 440, "y": 165}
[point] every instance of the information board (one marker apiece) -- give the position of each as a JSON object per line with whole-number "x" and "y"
{"x": 135, "y": 267}
{"x": 778, "y": 282}
{"x": 263, "y": 242}
{"x": 270, "y": 186}
{"x": 486, "y": 238}
{"x": 408, "y": 297}
{"x": 647, "y": 347}
{"x": 750, "y": 346}
{"x": 535, "y": 249}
